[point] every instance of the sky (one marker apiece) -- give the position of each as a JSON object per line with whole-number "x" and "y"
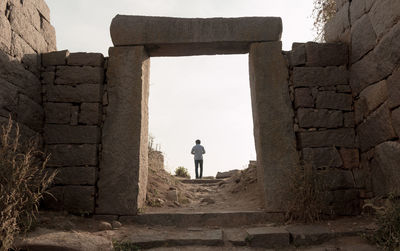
{"x": 198, "y": 97}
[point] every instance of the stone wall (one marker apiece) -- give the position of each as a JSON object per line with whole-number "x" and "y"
{"x": 72, "y": 98}
{"x": 324, "y": 119}
{"x": 372, "y": 31}
{"x": 25, "y": 33}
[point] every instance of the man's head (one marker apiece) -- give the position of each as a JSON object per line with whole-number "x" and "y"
{"x": 198, "y": 142}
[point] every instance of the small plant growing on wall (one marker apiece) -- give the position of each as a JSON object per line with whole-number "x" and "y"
{"x": 322, "y": 12}
{"x": 23, "y": 181}
{"x": 182, "y": 172}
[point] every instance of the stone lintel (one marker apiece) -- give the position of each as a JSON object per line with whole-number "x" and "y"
{"x": 167, "y": 36}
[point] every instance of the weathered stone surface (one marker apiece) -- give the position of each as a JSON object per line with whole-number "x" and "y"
{"x": 303, "y": 98}
{"x": 58, "y": 113}
{"x": 79, "y": 75}
{"x": 335, "y": 179}
{"x": 22, "y": 25}
{"x": 385, "y": 169}
{"x": 396, "y": 121}
{"x": 393, "y": 86}
{"x": 363, "y": 38}
{"x": 326, "y": 54}
{"x": 350, "y": 158}
{"x": 376, "y": 129}
{"x": 337, "y": 25}
{"x": 8, "y": 96}
{"x": 275, "y": 237}
{"x": 72, "y": 155}
{"x": 87, "y": 59}
{"x": 48, "y": 77}
{"x": 74, "y": 114}
{"x": 348, "y": 119}
{"x": 309, "y": 234}
{"x": 125, "y": 133}
{"x": 90, "y": 113}
{"x": 42, "y": 7}
{"x": 384, "y": 14}
{"x": 357, "y": 9}
{"x": 322, "y": 157}
{"x": 85, "y": 175}
{"x": 49, "y": 33}
{"x": 13, "y": 72}
{"x": 23, "y": 52}
{"x": 79, "y": 93}
{"x": 165, "y": 36}
{"x": 333, "y": 100}
{"x": 66, "y": 134}
{"x": 5, "y": 38}
{"x": 319, "y": 118}
{"x": 79, "y": 199}
{"x": 344, "y": 137}
{"x": 30, "y": 113}
{"x": 319, "y": 76}
{"x": 55, "y": 58}
{"x": 370, "y": 99}
{"x": 228, "y": 174}
{"x": 275, "y": 142}
{"x": 55, "y": 201}
{"x": 298, "y": 56}
{"x": 343, "y": 88}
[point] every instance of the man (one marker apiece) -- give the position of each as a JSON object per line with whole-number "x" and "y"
{"x": 198, "y": 151}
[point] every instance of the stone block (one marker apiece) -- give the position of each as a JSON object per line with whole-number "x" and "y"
{"x": 326, "y": 54}
{"x": 79, "y": 199}
{"x": 21, "y": 24}
{"x": 55, "y": 58}
{"x": 53, "y": 199}
{"x": 49, "y": 34}
{"x": 385, "y": 169}
{"x": 272, "y": 237}
{"x": 30, "y": 113}
{"x": 23, "y": 52}
{"x": 72, "y": 155}
{"x": 344, "y": 137}
{"x": 357, "y": 9}
{"x": 311, "y": 118}
{"x": 5, "y": 38}
{"x": 343, "y": 88}
{"x": 350, "y": 158}
{"x": 303, "y": 98}
{"x": 48, "y": 77}
{"x": 81, "y": 175}
{"x": 333, "y": 100}
{"x": 308, "y": 235}
{"x": 396, "y": 121}
{"x": 67, "y": 134}
{"x": 363, "y": 38}
{"x": 376, "y": 129}
{"x": 74, "y": 115}
{"x": 298, "y": 56}
{"x": 8, "y": 96}
{"x": 384, "y": 14}
{"x": 348, "y": 119}
{"x": 338, "y": 24}
{"x": 335, "y": 179}
{"x": 322, "y": 157}
{"x": 166, "y": 36}
{"x": 72, "y": 75}
{"x": 319, "y": 76}
{"x": 79, "y": 93}
{"x": 393, "y": 86}
{"x": 370, "y": 99}
{"x": 90, "y": 113}
{"x": 58, "y": 113}
{"x": 13, "y": 72}
{"x": 42, "y": 8}
{"x": 86, "y": 59}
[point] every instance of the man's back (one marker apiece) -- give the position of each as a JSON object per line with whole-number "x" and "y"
{"x": 198, "y": 151}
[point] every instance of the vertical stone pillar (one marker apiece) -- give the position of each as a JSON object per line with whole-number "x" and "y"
{"x": 273, "y": 122}
{"x": 123, "y": 168}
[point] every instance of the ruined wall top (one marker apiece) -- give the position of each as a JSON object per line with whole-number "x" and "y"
{"x": 166, "y": 36}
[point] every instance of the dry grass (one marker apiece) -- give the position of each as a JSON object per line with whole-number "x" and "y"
{"x": 307, "y": 195}
{"x": 182, "y": 172}
{"x": 23, "y": 181}
{"x": 322, "y": 12}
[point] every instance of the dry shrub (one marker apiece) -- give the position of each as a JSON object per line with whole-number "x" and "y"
{"x": 306, "y": 192}
{"x": 182, "y": 172}
{"x": 23, "y": 181}
{"x": 322, "y": 12}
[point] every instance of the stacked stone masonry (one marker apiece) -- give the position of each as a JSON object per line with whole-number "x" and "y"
{"x": 72, "y": 98}
{"x": 371, "y": 28}
{"x": 25, "y": 33}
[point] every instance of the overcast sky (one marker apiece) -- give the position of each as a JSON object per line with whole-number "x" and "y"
{"x": 202, "y": 97}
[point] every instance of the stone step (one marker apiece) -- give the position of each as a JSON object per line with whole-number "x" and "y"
{"x": 199, "y": 219}
{"x": 202, "y": 181}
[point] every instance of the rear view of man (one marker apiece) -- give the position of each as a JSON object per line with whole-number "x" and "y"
{"x": 198, "y": 151}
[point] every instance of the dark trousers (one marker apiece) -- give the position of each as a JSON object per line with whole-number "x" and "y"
{"x": 196, "y": 164}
